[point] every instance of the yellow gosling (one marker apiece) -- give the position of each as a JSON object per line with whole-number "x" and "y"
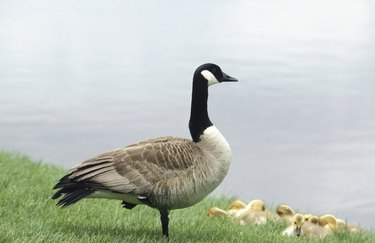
{"x": 295, "y": 229}
{"x": 311, "y": 218}
{"x": 236, "y": 205}
{"x": 343, "y": 226}
{"x": 257, "y": 205}
{"x": 253, "y": 206}
{"x": 353, "y": 229}
{"x": 217, "y": 212}
{"x": 285, "y": 211}
{"x": 255, "y": 213}
{"x": 299, "y": 227}
{"x": 337, "y": 225}
{"x": 258, "y": 217}
{"x": 328, "y": 221}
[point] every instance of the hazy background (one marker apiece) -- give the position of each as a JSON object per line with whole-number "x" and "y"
{"x": 78, "y": 78}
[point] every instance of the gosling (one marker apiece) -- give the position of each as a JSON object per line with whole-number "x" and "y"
{"x": 300, "y": 227}
{"x": 255, "y": 213}
{"x": 217, "y": 212}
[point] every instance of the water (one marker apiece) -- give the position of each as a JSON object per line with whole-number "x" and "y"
{"x": 81, "y": 78}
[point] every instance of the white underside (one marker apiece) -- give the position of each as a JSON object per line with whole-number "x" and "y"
{"x": 111, "y": 195}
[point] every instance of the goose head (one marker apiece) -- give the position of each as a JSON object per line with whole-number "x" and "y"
{"x": 298, "y": 220}
{"x": 237, "y": 204}
{"x": 284, "y": 210}
{"x": 204, "y": 76}
{"x": 213, "y": 74}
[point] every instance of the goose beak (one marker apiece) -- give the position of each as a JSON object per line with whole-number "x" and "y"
{"x": 298, "y": 231}
{"x": 227, "y": 78}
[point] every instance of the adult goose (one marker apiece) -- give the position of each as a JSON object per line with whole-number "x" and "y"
{"x": 164, "y": 173}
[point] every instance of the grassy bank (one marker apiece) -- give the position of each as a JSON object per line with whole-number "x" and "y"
{"x": 28, "y": 215}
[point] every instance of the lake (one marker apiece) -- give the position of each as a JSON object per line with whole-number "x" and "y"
{"x": 81, "y": 78}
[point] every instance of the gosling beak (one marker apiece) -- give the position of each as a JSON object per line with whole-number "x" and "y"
{"x": 227, "y": 78}
{"x": 298, "y": 231}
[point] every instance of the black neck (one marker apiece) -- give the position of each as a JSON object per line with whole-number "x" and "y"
{"x": 199, "y": 119}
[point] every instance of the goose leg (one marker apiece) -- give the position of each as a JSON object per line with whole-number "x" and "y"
{"x": 164, "y": 221}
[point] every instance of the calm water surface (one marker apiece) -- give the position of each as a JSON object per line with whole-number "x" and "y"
{"x": 81, "y": 78}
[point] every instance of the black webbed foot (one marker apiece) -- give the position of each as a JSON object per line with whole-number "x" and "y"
{"x": 128, "y": 205}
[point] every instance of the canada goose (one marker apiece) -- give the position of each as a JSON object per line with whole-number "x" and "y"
{"x": 217, "y": 212}
{"x": 163, "y": 173}
{"x": 299, "y": 227}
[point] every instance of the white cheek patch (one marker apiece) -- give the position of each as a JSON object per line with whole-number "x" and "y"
{"x": 210, "y": 77}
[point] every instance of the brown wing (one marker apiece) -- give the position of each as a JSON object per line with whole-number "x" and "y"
{"x": 136, "y": 168}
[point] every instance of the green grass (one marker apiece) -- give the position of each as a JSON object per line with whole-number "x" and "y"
{"x": 27, "y": 214}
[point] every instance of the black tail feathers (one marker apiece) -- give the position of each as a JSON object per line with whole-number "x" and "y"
{"x": 72, "y": 191}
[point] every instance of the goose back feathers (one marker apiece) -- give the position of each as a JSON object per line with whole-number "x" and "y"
{"x": 164, "y": 172}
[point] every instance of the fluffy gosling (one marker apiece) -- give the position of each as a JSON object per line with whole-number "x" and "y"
{"x": 255, "y": 205}
{"x": 237, "y": 204}
{"x": 300, "y": 227}
{"x": 338, "y": 225}
{"x": 312, "y": 219}
{"x": 217, "y": 212}
{"x": 285, "y": 211}
{"x": 255, "y": 213}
